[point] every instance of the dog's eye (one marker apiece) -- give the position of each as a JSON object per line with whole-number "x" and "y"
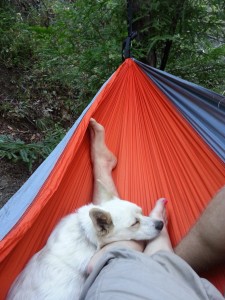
{"x": 137, "y": 222}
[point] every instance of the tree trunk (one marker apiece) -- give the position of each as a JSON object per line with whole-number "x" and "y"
{"x": 168, "y": 43}
{"x": 143, "y": 35}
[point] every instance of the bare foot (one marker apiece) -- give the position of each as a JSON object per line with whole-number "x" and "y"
{"x": 159, "y": 211}
{"x": 100, "y": 154}
{"x": 103, "y": 160}
{"x": 162, "y": 242}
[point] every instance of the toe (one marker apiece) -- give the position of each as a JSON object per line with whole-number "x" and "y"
{"x": 96, "y": 126}
{"x": 159, "y": 209}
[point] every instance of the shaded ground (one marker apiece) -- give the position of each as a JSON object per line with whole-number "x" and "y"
{"x": 12, "y": 175}
{"x": 12, "y": 178}
{"x": 29, "y": 109}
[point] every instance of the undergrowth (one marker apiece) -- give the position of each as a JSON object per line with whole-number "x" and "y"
{"x": 15, "y": 149}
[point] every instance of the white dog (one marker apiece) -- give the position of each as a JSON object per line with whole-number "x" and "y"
{"x": 58, "y": 271}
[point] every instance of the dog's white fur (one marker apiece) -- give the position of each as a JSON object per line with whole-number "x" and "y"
{"x": 58, "y": 271}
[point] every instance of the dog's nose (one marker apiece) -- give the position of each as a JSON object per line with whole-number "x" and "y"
{"x": 159, "y": 225}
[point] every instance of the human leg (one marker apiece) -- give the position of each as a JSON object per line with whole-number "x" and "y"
{"x": 161, "y": 242}
{"x": 127, "y": 274}
{"x": 103, "y": 161}
{"x": 204, "y": 245}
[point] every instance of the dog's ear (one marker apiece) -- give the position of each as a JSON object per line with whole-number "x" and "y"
{"x": 102, "y": 221}
{"x": 104, "y": 194}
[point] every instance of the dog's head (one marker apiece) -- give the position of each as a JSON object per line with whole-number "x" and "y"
{"x": 117, "y": 220}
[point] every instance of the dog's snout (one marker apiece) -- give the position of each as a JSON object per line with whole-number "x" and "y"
{"x": 159, "y": 225}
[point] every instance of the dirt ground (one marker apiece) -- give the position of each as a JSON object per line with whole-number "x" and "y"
{"x": 12, "y": 178}
{"x": 22, "y": 103}
{"x": 12, "y": 175}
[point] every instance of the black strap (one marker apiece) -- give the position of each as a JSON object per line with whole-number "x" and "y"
{"x": 126, "y": 53}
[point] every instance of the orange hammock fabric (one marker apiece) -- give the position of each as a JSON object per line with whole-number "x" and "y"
{"x": 159, "y": 155}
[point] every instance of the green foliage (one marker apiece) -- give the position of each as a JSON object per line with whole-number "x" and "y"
{"x": 65, "y": 50}
{"x": 30, "y": 153}
{"x": 206, "y": 68}
{"x": 16, "y": 43}
{"x": 77, "y": 44}
{"x": 195, "y": 30}
{"x": 80, "y": 48}
{"x": 199, "y": 53}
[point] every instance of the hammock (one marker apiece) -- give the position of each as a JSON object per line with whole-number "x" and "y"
{"x": 169, "y": 137}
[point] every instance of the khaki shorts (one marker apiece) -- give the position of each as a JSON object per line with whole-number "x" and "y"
{"x": 124, "y": 274}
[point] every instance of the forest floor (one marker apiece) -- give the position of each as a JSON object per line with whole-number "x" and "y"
{"x": 12, "y": 174}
